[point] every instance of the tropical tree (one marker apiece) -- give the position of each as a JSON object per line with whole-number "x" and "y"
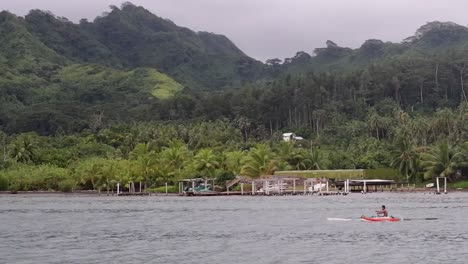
{"x": 206, "y": 162}
{"x": 442, "y": 161}
{"x": 442, "y": 123}
{"x": 164, "y": 173}
{"x": 3, "y": 145}
{"x": 405, "y": 159}
{"x": 377, "y": 123}
{"x": 108, "y": 175}
{"x": 461, "y": 122}
{"x": 420, "y": 129}
{"x": 141, "y": 149}
{"x": 145, "y": 163}
{"x": 123, "y": 172}
{"x": 316, "y": 159}
{"x": 340, "y": 159}
{"x": 175, "y": 157}
{"x": 244, "y": 125}
{"x": 284, "y": 150}
{"x": 259, "y": 161}
{"x": 90, "y": 172}
{"x": 301, "y": 160}
{"x": 233, "y": 161}
{"x": 291, "y": 157}
{"x": 23, "y": 149}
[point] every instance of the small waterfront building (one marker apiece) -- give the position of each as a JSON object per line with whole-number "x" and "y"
{"x": 291, "y": 137}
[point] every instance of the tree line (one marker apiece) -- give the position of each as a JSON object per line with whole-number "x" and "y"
{"x": 142, "y": 153}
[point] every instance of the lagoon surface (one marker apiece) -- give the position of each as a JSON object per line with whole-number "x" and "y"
{"x": 60, "y": 228}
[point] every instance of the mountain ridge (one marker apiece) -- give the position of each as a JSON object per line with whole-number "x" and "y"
{"x": 141, "y": 29}
{"x": 131, "y": 36}
{"x": 134, "y": 66}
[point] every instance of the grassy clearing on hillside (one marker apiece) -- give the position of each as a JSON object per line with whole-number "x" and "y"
{"x": 93, "y": 78}
{"x": 165, "y": 87}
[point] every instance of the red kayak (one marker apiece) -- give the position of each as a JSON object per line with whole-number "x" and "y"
{"x": 380, "y": 218}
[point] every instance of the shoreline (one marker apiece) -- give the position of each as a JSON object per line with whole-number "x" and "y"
{"x": 83, "y": 193}
{"x": 96, "y": 194}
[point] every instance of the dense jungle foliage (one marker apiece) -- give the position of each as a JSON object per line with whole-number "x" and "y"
{"x": 133, "y": 97}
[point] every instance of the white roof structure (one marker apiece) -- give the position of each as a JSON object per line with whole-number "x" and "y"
{"x": 291, "y": 137}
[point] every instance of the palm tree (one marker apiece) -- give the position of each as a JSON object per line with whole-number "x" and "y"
{"x": 461, "y": 121}
{"x": 145, "y": 162}
{"x": 442, "y": 161}
{"x": 284, "y": 150}
{"x": 291, "y": 157}
{"x": 175, "y": 157}
{"x": 442, "y": 123}
{"x": 145, "y": 167}
{"x": 244, "y": 125}
{"x": 300, "y": 159}
{"x": 420, "y": 129}
{"x": 3, "y": 143}
{"x": 260, "y": 161}
{"x": 377, "y": 123}
{"x": 164, "y": 173}
{"x": 405, "y": 159}
{"x": 123, "y": 173}
{"x": 90, "y": 171}
{"x": 206, "y": 162}
{"x": 287, "y": 154}
{"x": 233, "y": 161}
{"x": 24, "y": 150}
{"x": 141, "y": 149}
{"x": 403, "y": 119}
{"x": 109, "y": 174}
{"x": 316, "y": 159}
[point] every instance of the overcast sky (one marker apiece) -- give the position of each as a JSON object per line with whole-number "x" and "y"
{"x": 277, "y": 28}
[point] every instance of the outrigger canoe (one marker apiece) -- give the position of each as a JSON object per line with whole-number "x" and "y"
{"x": 380, "y": 218}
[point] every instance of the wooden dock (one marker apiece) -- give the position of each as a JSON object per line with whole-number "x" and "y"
{"x": 133, "y": 194}
{"x": 282, "y": 193}
{"x": 331, "y": 193}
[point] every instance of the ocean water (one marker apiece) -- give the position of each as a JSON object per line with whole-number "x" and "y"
{"x": 290, "y": 229}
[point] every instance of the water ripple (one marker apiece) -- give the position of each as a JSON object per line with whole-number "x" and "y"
{"x": 87, "y": 229}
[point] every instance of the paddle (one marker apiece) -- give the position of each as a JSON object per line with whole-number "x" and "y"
{"x": 426, "y": 219}
{"x": 402, "y": 219}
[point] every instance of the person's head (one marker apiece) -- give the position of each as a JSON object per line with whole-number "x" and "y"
{"x": 383, "y": 207}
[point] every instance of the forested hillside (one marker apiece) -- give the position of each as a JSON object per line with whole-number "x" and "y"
{"x": 132, "y": 37}
{"x": 132, "y": 96}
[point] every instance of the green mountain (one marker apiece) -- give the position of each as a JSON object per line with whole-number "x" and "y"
{"x": 68, "y": 39}
{"x": 51, "y": 79}
{"x": 132, "y": 37}
{"x": 432, "y": 39}
{"x": 130, "y": 65}
{"x": 20, "y": 50}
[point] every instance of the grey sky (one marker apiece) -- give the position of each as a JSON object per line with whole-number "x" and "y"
{"x": 277, "y": 28}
